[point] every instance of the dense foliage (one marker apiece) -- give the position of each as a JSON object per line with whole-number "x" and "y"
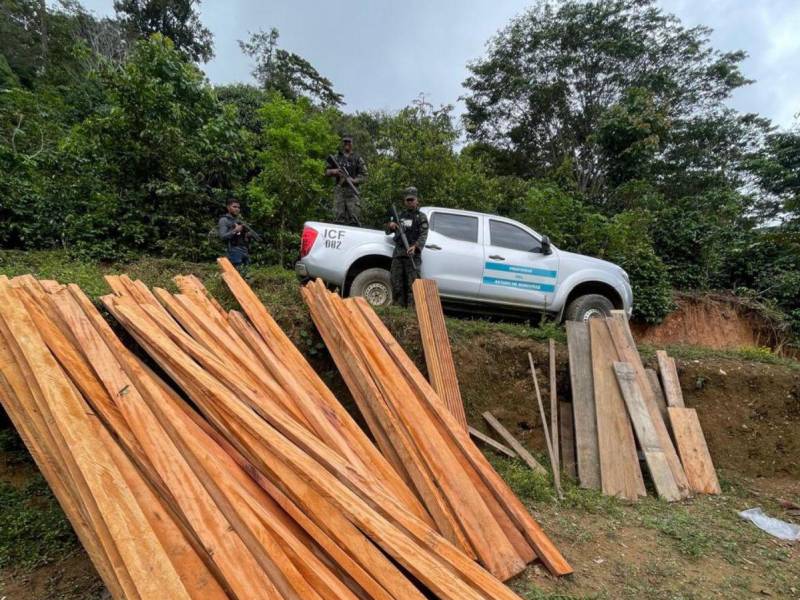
{"x": 602, "y": 124}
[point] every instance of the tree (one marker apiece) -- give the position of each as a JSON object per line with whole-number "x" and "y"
{"x": 567, "y": 84}
{"x": 176, "y": 19}
{"x": 777, "y": 169}
{"x": 293, "y": 142}
{"x": 150, "y": 170}
{"x": 277, "y": 70}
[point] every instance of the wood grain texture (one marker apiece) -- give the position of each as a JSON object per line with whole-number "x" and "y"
{"x": 658, "y": 393}
{"x": 436, "y": 346}
{"x": 626, "y": 347}
{"x": 551, "y": 346}
{"x": 694, "y": 450}
{"x": 587, "y": 453}
{"x": 567, "y": 439}
{"x": 646, "y": 433}
{"x": 619, "y": 463}
{"x": 669, "y": 377}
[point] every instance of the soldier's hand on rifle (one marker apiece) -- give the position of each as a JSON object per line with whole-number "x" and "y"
{"x": 411, "y": 249}
{"x": 392, "y": 226}
{"x": 333, "y": 172}
{"x": 238, "y": 228}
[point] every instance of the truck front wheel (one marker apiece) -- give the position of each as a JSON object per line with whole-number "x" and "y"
{"x": 374, "y": 285}
{"x": 587, "y": 307}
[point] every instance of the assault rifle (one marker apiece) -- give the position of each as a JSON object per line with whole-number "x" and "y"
{"x": 343, "y": 173}
{"x": 402, "y": 231}
{"x": 253, "y": 233}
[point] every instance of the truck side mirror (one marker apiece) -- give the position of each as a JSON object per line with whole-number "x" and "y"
{"x": 546, "y": 249}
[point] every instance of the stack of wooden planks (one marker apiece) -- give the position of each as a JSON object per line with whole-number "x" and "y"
{"x": 618, "y": 406}
{"x": 240, "y": 476}
{"x": 469, "y": 503}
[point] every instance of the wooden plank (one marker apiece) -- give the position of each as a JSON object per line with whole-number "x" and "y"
{"x": 567, "y": 428}
{"x": 492, "y": 443}
{"x": 646, "y": 433}
{"x": 658, "y": 393}
{"x": 239, "y": 565}
{"x": 521, "y": 451}
{"x": 694, "y": 450}
{"x": 151, "y": 573}
{"x": 623, "y": 339}
{"x": 587, "y": 453}
{"x": 513, "y": 507}
{"x": 381, "y": 463}
{"x": 436, "y": 344}
{"x": 485, "y": 534}
{"x": 669, "y": 377}
{"x": 619, "y": 463}
{"x": 555, "y": 447}
{"x": 427, "y": 556}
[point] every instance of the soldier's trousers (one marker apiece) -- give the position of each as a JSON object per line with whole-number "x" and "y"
{"x": 346, "y": 208}
{"x": 402, "y": 275}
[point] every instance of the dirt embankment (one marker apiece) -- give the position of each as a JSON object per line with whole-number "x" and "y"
{"x": 711, "y": 321}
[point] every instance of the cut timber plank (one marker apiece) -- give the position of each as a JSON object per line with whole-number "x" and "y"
{"x": 658, "y": 393}
{"x": 556, "y": 448}
{"x": 646, "y": 433}
{"x": 587, "y": 453}
{"x": 513, "y": 507}
{"x": 619, "y": 463}
{"x": 694, "y": 450}
{"x": 436, "y": 344}
{"x": 140, "y": 554}
{"x": 492, "y": 443}
{"x": 626, "y": 347}
{"x": 567, "y": 439}
{"x": 669, "y": 375}
{"x": 514, "y": 443}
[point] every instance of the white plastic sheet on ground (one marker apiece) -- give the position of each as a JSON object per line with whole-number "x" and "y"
{"x": 775, "y": 527}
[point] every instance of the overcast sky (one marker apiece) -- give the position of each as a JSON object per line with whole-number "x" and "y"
{"x": 382, "y": 54}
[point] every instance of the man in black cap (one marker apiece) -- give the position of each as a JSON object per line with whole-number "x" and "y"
{"x": 346, "y": 202}
{"x": 406, "y": 264}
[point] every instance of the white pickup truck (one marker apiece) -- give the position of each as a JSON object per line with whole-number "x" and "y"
{"x": 483, "y": 261}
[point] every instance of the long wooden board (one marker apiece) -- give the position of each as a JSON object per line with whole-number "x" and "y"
{"x": 521, "y": 451}
{"x": 567, "y": 438}
{"x": 551, "y": 345}
{"x": 619, "y": 463}
{"x": 626, "y": 347}
{"x": 694, "y": 450}
{"x": 658, "y": 393}
{"x": 436, "y": 344}
{"x": 587, "y": 452}
{"x": 492, "y": 443}
{"x": 669, "y": 375}
{"x": 646, "y": 433}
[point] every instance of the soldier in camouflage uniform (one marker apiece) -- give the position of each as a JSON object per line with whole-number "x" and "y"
{"x": 346, "y": 203}
{"x": 406, "y": 265}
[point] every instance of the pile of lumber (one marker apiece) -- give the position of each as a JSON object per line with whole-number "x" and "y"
{"x": 235, "y": 473}
{"x": 469, "y": 503}
{"x": 619, "y": 406}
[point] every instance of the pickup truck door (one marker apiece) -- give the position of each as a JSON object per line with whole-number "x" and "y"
{"x": 514, "y": 270}
{"x": 453, "y": 254}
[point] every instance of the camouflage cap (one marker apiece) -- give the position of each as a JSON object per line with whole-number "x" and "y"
{"x": 410, "y": 192}
{"x": 347, "y": 137}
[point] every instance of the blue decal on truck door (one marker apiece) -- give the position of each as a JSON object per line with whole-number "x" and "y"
{"x": 520, "y": 277}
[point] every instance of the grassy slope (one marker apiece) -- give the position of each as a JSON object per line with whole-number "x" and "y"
{"x": 698, "y": 549}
